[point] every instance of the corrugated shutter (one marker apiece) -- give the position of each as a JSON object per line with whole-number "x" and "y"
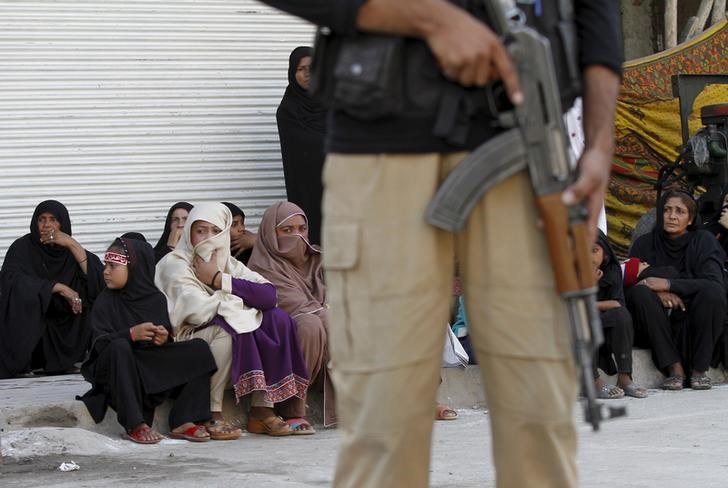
{"x": 119, "y": 108}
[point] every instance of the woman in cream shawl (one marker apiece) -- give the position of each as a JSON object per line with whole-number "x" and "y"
{"x": 284, "y": 255}
{"x": 216, "y": 298}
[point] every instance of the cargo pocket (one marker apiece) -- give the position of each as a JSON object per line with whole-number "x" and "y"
{"x": 341, "y": 260}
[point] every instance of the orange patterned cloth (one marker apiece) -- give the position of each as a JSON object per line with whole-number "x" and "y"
{"x": 648, "y": 124}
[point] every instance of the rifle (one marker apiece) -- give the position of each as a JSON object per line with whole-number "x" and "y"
{"x": 536, "y": 141}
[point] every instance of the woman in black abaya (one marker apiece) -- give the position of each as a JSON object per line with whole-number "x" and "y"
{"x": 173, "y": 225}
{"x": 301, "y": 128}
{"x": 133, "y": 365}
{"x": 49, "y": 283}
{"x": 679, "y": 318}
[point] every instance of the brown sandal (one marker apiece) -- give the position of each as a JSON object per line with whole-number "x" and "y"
{"x": 273, "y": 426}
{"x": 220, "y": 430}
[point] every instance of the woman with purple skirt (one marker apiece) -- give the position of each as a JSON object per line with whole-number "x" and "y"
{"x": 218, "y": 299}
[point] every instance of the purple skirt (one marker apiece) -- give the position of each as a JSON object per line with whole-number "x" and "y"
{"x": 269, "y": 359}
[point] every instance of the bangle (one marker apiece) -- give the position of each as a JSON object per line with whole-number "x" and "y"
{"x": 131, "y": 336}
{"x": 214, "y": 277}
{"x": 668, "y": 284}
{"x": 83, "y": 261}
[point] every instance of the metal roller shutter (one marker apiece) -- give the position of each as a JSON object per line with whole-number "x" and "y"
{"x": 119, "y": 108}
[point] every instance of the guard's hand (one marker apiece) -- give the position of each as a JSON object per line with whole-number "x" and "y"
{"x": 471, "y": 54}
{"x": 591, "y": 186}
{"x": 143, "y": 332}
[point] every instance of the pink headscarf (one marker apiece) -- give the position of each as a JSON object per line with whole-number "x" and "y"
{"x": 290, "y": 262}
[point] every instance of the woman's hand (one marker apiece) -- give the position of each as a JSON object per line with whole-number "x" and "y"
{"x": 242, "y": 242}
{"x": 174, "y": 236}
{"x": 74, "y": 301}
{"x": 598, "y": 274}
{"x": 656, "y": 284}
{"x": 146, "y": 331}
{"x": 724, "y": 218}
{"x": 57, "y": 238}
{"x": 161, "y": 335}
{"x": 205, "y": 271}
{"x": 671, "y": 300}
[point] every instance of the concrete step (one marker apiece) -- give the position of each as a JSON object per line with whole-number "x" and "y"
{"x": 49, "y": 401}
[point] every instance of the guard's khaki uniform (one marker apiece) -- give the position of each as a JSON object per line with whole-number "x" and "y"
{"x": 389, "y": 281}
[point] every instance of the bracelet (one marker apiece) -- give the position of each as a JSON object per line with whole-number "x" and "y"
{"x": 83, "y": 261}
{"x": 668, "y": 284}
{"x": 214, "y": 277}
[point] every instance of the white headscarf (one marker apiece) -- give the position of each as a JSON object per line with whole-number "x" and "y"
{"x": 191, "y": 302}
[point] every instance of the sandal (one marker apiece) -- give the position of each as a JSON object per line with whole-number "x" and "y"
{"x": 300, "y": 426}
{"x": 138, "y": 435}
{"x": 701, "y": 382}
{"x": 608, "y": 392}
{"x": 220, "y": 430}
{"x": 443, "y": 412}
{"x": 196, "y": 433}
{"x": 673, "y": 383}
{"x": 634, "y": 391}
{"x": 273, "y": 426}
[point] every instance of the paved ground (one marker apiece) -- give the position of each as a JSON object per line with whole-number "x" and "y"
{"x": 669, "y": 440}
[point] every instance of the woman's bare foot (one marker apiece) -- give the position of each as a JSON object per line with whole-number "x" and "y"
{"x": 221, "y": 430}
{"x": 605, "y": 391}
{"x": 624, "y": 381}
{"x": 191, "y": 432}
{"x": 143, "y": 434}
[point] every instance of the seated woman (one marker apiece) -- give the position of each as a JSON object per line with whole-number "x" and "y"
{"x": 216, "y": 298}
{"x": 680, "y": 318}
{"x": 49, "y": 283}
{"x": 241, "y": 239}
{"x": 134, "y": 365}
{"x": 174, "y": 224}
{"x": 617, "y": 325}
{"x": 284, "y": 256}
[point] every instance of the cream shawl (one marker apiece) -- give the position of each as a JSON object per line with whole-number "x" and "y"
{"x": 192, "y": 303}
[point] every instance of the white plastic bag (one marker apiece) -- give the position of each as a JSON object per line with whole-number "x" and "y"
{"x": 453, "y": 355}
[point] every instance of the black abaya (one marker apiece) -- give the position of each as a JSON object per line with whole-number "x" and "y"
{"x": 161, "y": 249}
{"x": 38, "y": 328}
{"x": 301, "y": 129}
{"x": 135, "y": 377}
{"x": 687, "y": 337}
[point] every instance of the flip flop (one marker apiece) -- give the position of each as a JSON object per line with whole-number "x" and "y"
{"x": 190, "y": 434}
{"x": 136, "y": 436}
{"x": 297, "y": 422}
{"x": 634, "y": 391}
{"x": 443, "y": 412}
{"x": 609, "y": 392}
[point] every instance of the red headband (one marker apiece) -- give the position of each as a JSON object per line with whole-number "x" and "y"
{"x": 113, "y": 257}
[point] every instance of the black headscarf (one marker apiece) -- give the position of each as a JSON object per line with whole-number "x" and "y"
{"x": 134, "y": 235}
{"x": 139, "y": 301}
{"x": 161, "y": 249}
{"x": 301, "y": 128}
{"x": 30, "y": 311}
{"x": 610, "y": 284}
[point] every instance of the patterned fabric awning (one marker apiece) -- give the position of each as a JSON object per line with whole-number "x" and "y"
{"x": 648, "y": 124}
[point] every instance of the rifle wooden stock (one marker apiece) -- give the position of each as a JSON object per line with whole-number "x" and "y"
{"x": 568, "y": 244}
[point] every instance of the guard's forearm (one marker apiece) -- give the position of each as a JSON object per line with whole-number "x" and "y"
{"x": 601, "y": 88}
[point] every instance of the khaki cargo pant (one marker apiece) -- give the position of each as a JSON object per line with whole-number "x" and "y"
{"x": 390, "y": 283}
